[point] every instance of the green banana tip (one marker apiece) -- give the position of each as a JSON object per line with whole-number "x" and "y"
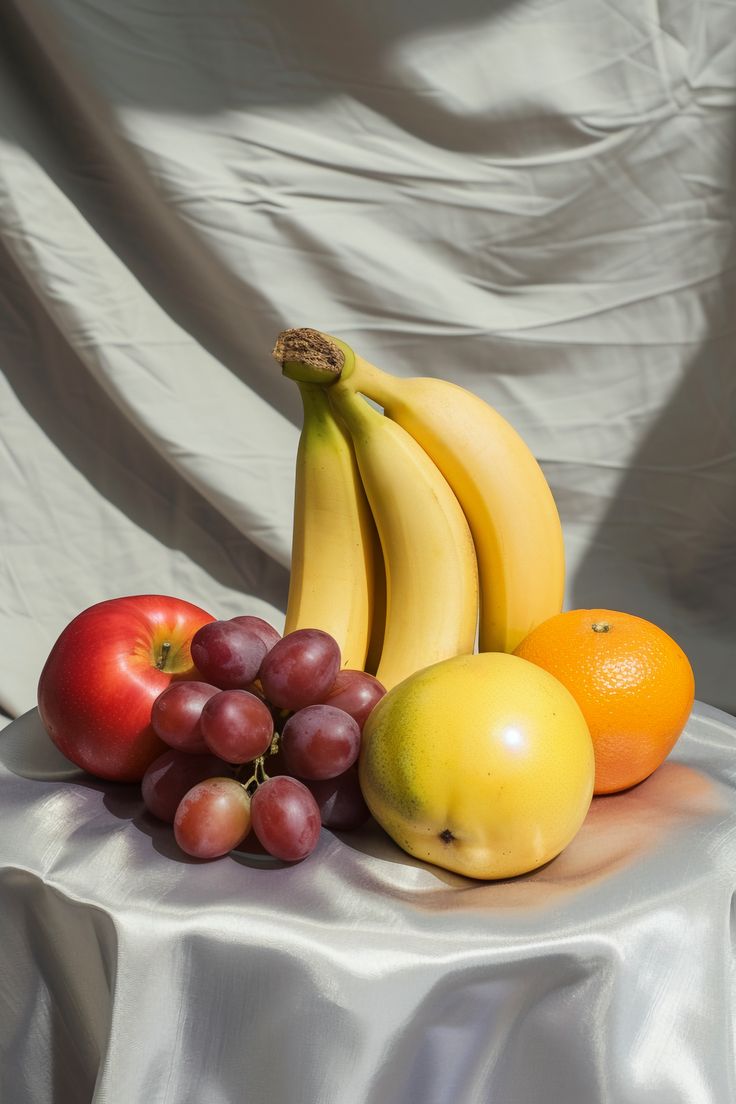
{"x": 309, "y": 356}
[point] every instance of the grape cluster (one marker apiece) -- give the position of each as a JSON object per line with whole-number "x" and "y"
{"x": 267, "y": 742}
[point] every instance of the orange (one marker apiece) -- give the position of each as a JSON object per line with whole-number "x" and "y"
{"x": 633, "y": 683}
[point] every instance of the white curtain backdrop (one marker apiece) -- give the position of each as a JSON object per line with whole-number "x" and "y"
{"x": 534, "y": 198}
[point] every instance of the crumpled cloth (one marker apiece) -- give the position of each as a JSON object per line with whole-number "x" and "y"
{"x": 533, "y": 198}
{"x": 129, "y": 973}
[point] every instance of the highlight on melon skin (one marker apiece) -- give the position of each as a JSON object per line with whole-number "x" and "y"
{"x": 632, "y": 681}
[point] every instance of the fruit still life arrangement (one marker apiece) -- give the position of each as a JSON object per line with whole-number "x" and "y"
{"x": 426, "y": 675}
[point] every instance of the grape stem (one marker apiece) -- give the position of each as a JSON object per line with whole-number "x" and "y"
{"x": 258, "y": 776}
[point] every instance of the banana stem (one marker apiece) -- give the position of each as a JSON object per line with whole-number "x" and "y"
{"x": 309, "y": 356}
{"x": 314, "y": 401}
{"x": 371, "y": 381}
{"x": 316, "y": 359}
{"x": 355, "y": 412}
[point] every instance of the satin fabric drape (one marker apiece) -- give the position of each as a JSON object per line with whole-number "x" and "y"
{"x": 129, "y": 973}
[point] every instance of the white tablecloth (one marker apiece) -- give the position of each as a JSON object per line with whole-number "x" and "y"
{"x": 132, "y": 975}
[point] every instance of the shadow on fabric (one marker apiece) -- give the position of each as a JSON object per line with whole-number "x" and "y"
{"x": 669, "y": 531}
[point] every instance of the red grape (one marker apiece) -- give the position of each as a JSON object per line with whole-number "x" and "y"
{"x": 356, "y": 692}
{"x": 340, "y": 800}
{"x": 268, "y": 634}
{"x": 226, "y": 654}
{"x": 285, "y": 818}
{"x": 237, "y": 726}
{"x": 176, "y": 713}
{"x": 212, "y": 818}
{"x": 300, "y": 669}
{"x": 170, "y": 776}
{"x": 320, "y": 741}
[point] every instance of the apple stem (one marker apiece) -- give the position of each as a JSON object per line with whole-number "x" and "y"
{"x": 165, "y": 649}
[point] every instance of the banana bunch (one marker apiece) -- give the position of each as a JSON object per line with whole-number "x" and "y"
{"x": 417, "y": 530}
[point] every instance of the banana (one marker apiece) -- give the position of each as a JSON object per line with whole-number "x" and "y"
{"x": 502, "y": 490}
{"x": 431, "y": 573}
{"x": 334, "y": 543}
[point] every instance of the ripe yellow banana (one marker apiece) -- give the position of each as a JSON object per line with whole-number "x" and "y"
{"x": 334, "y": 543}
{"x": 431, "y": 573}
{"x": 499, "y": 484}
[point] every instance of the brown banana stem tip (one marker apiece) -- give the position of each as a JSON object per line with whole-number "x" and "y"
{"x": 309, "y": 347}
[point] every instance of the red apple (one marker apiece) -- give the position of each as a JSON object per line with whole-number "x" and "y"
{"x": 103, "y": 674}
